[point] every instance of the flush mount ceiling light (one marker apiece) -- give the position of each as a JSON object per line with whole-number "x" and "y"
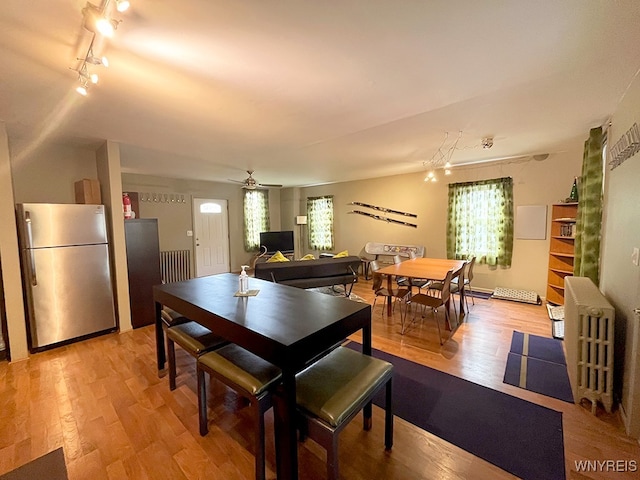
{"x": 441, "y": 159}
{"x": 97, "y": 20}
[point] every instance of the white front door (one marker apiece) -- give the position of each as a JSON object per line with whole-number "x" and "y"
{"x": 211, "y": 224}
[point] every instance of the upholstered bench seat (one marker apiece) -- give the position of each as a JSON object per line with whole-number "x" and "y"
{"x": 333, "y": 390}
{"x": 340, "y": 383}
{"x": 194, "y": 339}
{"x": 250, "y": 376}
{"x": 242, "y": 367}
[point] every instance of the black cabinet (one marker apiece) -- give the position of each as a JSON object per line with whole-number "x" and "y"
{"x": 143, "y": 263}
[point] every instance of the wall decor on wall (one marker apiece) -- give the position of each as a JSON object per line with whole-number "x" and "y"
{"x": 162, "y": 197}
{"x": 384, "y": 219}
{"x": 626, "y": 147}
{"x": 384, "y": 209}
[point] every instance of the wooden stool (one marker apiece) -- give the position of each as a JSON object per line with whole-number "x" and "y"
{"x": 333, "y": 390}
{"x": 194, "y": 339}
{"x": 250, "y": 376}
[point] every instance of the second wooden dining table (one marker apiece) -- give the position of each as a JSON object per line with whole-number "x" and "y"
{"x": 434, "y": 269}
{"x": 286, "y": 326}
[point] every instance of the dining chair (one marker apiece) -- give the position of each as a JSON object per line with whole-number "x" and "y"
{"x": 382, "y": 291}
{"x": 468, "y": 277}
{"x": 251, "y": 377}
{"x": 331, "y": 392}
{"x": 434, "y": 303}
{"x": 191, "y": 336}
{"x": 412, "y": 282}
{"x": 455, "y": 285}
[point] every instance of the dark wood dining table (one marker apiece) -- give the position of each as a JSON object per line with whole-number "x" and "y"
{"x": 435, "y": 269}
{"x": 286, "y": 326}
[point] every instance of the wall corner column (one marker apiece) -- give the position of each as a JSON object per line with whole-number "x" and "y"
{"x": 110, "y": 177}
{"x": 10, "y": 254}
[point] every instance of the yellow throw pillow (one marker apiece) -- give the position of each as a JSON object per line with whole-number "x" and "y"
{"x": 308, "y": 256}
{"x": 344, "y": 253}
{"x": 278, "y": 257}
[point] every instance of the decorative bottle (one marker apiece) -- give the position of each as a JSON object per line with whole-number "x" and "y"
{"x": 574, "y": 190}
{"x": 243, "y": 280}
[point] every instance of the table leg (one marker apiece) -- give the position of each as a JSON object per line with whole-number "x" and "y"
{"x": 367, "y": 411}
{"x": 285, "y": 427}
{"x": 389, "y": 289}
{"x": 160, "y": 352}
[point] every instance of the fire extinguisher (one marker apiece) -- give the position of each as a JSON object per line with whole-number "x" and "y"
{"x": 126, "y": 206}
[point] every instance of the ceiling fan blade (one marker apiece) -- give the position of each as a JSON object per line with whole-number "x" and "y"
{"x": 270, "y": 185}
{"x": 235, "y": 181}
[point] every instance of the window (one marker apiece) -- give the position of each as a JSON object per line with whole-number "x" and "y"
{"x": 256, "y": 217}
{"x": 320, "y": 222}
{"x": 480, "y": 221}
{"x": 210, "y": 208}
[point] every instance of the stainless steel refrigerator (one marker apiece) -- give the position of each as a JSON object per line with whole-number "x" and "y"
{"x": 65, "y": 271}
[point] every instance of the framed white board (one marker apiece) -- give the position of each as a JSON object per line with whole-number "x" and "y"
{"x": 531, "y": 222}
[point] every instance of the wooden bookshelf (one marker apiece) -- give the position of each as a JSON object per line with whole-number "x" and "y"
{"x": 561, "y": 249}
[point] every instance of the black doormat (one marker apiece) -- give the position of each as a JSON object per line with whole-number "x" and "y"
{"x": 50, "y": 467}
{"x": 520, "y": 437}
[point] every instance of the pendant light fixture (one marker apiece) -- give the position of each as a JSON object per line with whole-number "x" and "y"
{"x": 441, "y": 160}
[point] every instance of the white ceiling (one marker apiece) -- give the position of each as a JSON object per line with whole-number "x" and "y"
{"x": 308, "y": 92}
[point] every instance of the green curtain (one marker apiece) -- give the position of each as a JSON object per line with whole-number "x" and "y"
{"x": 320, "y": 222}
{"x": 480, "y": 221}
{"x": 589, "y": 220}
{"x": 256, "y": 217}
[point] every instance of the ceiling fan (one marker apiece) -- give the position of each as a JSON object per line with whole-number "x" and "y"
{"x": 250, "y": 183}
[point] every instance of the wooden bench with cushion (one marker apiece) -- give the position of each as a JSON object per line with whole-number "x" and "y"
{"x": 331, "y": 392}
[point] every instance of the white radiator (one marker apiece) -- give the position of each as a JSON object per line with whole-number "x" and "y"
{"x": 589, "y": 337}
{"x": 175, "y": 265}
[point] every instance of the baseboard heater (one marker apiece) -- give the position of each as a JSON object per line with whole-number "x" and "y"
{"x": 589, "y": 338}
{"x": 523, "y": 296}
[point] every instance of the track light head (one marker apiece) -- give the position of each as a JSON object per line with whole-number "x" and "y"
{"x": 96, "y": 21}
{"x": 122, "y": 5}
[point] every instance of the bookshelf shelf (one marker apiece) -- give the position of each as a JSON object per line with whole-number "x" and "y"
{"x": 561, "y": 249}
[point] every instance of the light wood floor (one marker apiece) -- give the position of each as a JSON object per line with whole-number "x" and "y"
{"x": 102, "y": 401}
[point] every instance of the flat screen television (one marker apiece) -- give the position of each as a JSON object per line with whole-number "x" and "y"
{"x": 274, "y": 241}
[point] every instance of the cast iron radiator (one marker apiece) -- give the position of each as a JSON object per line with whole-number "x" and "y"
{"x": 175, "y": 265}
{"x": 589, "y": 339}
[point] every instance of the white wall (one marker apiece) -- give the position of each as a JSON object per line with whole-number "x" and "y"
{"x": 620, "y": 279}
{"x": 535, "y": 183}
{"x": 175, "y": 219}
{"x": 48, "y": 174}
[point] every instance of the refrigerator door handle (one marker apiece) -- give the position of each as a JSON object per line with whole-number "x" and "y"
{"x": 32, "y": 258}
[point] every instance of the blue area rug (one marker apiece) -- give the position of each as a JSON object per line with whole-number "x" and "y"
{"x": 50, "y": 466}
{"x": 520, "y": 437}
{"x": 537, "y": 364}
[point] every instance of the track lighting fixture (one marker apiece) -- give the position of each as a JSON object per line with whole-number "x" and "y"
{"x": 98, "y": 20}
{"x": 441, "y": 159}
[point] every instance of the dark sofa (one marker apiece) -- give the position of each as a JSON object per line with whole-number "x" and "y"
{"x": 322, "y": 272}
